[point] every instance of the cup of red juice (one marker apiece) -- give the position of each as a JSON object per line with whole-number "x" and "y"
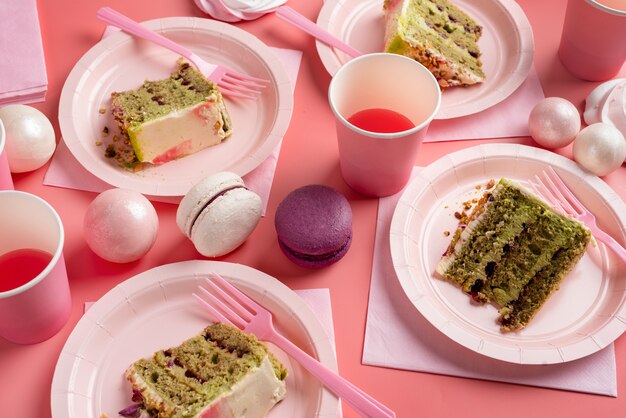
{"x": 35, "y": 298}
{"x": 383, "y": 104}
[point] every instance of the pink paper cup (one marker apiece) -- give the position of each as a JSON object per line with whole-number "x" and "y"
{"x": 593, "y": 41}
{"x": 38, "y": 309}
{"x": 6, "y": 182}
{"x": 380, "y": 164}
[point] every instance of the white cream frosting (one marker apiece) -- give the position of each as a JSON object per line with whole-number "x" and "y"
{"x": 251, "y": 397}
{"x": 236, "y": 10}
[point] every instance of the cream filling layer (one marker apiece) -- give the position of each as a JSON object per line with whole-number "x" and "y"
{"x": 179, "y": 133}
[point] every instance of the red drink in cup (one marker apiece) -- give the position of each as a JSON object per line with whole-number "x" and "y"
{"x": 35, "y": 298}
{"x": 381, "y": 121}
{"x": 19, "y": 267}
{"x": 383, "y": 104}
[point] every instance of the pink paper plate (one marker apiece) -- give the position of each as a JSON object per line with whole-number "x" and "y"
{"x": 507, "y": 47}
{"x": 121, "y": 62}
{"x": 584, "y": 316}
{"x": 155, "y": 310}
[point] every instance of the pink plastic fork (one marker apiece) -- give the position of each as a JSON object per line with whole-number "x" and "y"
{"x": 230, "y": 82}
{"x": 556, "y": 191}
{"x": 291, "y": 16}
{"x": 229, "y": 305}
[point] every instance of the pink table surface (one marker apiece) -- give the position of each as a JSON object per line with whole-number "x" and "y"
{"x": 308, "y": 155}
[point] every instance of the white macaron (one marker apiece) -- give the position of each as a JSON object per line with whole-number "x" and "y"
{"x": 218, "y": 214}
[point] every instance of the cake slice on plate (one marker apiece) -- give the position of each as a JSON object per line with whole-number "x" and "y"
{"x": 439, "y": 35}
{"x": 514, "y": 250}
{"x": 167, "y": 119}
{"x": 221, "y": 373}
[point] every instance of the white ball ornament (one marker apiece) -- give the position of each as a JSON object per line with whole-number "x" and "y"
{"x": 554, "y": 122}
{"x": 120, "y": 225}
{"x": 30, "y": 139}
{"x": 600, "y": 148}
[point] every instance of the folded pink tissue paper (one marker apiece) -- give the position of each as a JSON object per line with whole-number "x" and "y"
{"x": 507, "y": 119}
{"x": 419, "y": 346}
{"x": 66, "y": 171}
{"x": 23, "y": 76}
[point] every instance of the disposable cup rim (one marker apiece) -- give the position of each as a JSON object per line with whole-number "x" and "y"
{"x": 55, "y": 257}
{"x": 383, "y": 135}
{"x": 607, "y": 9}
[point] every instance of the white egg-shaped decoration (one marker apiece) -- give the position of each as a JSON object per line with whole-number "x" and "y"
{"x": 30, "y": 138}
{"x": 600, "y": 148}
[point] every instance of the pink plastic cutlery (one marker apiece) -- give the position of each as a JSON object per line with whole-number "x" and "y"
{"x": 291, "y": 16}
{"x": 230, "y": 82}
{"x": 557, "y": 192}
{"x": 229, "y": 305}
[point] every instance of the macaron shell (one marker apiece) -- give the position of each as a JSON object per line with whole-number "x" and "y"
{"x": 314, "y": 221}
{"x": 226, "y": 223}
{"x": 201, "y": 193}
{"x": 312, "y": 263}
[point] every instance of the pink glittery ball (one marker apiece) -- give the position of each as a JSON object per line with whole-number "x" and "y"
{"x": 120, "y": 225}
{"x": 554, "y": 122}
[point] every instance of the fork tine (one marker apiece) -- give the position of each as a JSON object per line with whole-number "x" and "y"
{"x": 217, "y": 315}
{"x": 227, "y": 302}
{"x": 238, "y": 82}
{"x": 246, "y": 77}
{"x": 225, "y": 311}
{"x": 234, "y": 93}
{"x": 545, "y": 192}
{"x": 556, "y": 191}
{"x": 241, "y": 297}
{"x": 571, "y": 198}
{"x": 239, "y": 87}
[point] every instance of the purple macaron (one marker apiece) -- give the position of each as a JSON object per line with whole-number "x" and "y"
{"x": 314, "y": 226}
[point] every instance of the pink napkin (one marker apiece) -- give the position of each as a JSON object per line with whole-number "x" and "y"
{"x": 66, "y": 171}
{"x": 508, "y": 118}
{"x": 22, "y": 66}
{"x": 319, "y": 302}
{"x": 418, "y": 345}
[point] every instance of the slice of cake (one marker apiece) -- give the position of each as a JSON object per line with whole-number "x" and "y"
{"x": 439, "y": 35}
{"x": 513, "y": 249}
{"x": 221, "y": 373}
{"x": 168, "y": 119}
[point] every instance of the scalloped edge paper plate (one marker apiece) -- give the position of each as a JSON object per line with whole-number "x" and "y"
{"x": 154, "y": 310}
{"x": 120, "y": 62}
{"x": 507, "y": 47}
{"x": 586, "y": 314}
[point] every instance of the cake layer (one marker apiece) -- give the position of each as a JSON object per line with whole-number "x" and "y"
{"x": 221, "y": 373}
{"x": 531, "y": 251}
{"x": 437, "y": 34}
{"x": 485, "y": 237}
{"x": 513, "y": 250}
{"x": 518, "y": 313}
{"x": 167, "y": 119}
